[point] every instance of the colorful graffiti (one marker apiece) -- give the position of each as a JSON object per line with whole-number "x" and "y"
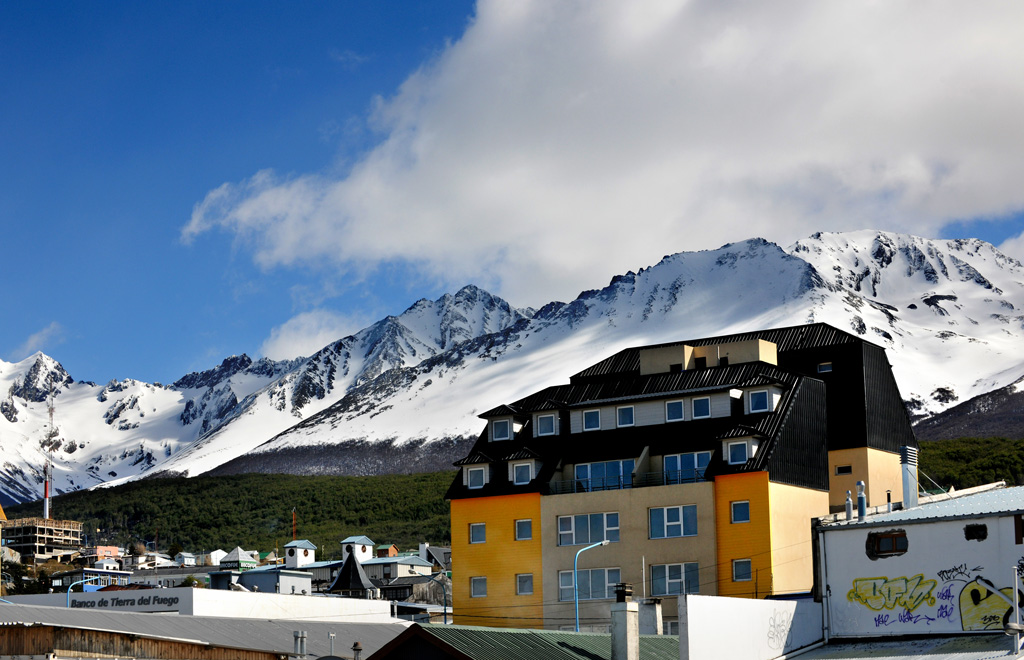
{"x": 880, "y": 593}
{"x": 977, "y": 601}
{"x": 982, "y": 609}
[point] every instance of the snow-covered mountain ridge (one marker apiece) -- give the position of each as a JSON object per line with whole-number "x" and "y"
{"x": 949, "y": 313}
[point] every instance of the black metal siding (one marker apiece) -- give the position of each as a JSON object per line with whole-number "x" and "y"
{"x": 799, "y": 454}
{"x": 888, "y": 425}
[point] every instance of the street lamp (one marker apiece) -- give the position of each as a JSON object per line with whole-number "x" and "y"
{"x": 73, "y": 584}
{"x": 576, "y": 578}
{"x": 444, "y": 594}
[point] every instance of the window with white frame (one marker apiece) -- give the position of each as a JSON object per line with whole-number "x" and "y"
{"x": 673, "y": 411}
{"x": 686, "y": 468}
{"x": 587, "y": 528}
{"x": 476, "y": 477}
{"x": 670, "y": 627}
{"x": 522, "y": 473}
{"x": 741, "y": 570}
{"x": 591, "y": 420}
{"x": 737, "y": 453}
{"x": 673, "y": 521}
{"x": 759, "y": 401}
{"x": 595, "y": 584}
{"x": 524, "y": 584}
{"x": 624, "y": 416}
{"x": 606, "y": 475}
{"x": 501, "y": 429}
{"x": 545, "y": 425}
{"x": 701, "y": 407}
{"x": 740, "y": 511}
{"x": 477, "y": 532}
{"x": 478, "y": 587}
{"x": 524, "y": 529}
{"x": 674, "y": 579}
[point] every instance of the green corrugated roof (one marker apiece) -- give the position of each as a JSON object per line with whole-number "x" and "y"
{"x": 499, "y": 643}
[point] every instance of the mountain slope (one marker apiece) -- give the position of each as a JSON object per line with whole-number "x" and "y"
{"x": 403, "y": 393}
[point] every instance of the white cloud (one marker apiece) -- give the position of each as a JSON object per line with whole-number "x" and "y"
{"x": 51, "y": 335}
{"x": 1013, "y": 247}
{"x": 556, "y": 143}
{"x": 308, "y": 332}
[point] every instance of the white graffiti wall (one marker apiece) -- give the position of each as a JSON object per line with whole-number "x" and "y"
{"x": 923, "y": 577}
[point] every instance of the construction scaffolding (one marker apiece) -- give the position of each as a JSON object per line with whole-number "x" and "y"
{"x": 39, "y": 540}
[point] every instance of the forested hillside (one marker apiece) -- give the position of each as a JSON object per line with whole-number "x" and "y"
{"x": 966, "y": 462}
{"x": 255, "y": 511}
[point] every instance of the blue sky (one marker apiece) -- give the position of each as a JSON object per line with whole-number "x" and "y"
{"x": 186, "y": 181}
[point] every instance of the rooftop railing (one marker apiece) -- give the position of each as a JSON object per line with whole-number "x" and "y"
{"x": 641, "y": 480}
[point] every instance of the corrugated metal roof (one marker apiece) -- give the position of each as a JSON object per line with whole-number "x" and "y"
{"x": 359, "y": 540}
{"x": 273, "y": 635}
{"x": 968, "y": 647}
{"x": 301, "y": 543}
{"x": 498, "y": 643}
{"x": 405, "y": 561}
{"x": 992, "y": 502}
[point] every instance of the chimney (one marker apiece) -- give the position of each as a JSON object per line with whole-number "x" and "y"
{"x": 650, "y": 616}
{"x": 423, "y": 551}
{"x": 908, "y": 465}
{"x": 625, "y": 624}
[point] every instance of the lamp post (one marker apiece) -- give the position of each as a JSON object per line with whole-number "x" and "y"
{"x": 444, "y": 594}
{"x": 576, "y": 578}
{"x": 73, "y": 584}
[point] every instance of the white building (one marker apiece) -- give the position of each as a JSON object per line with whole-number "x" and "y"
{"x": 360, "y": 546}
{"x": 390, "y": 568}
{"x": 299, "y": 553}
{"x": 946, "y": 566}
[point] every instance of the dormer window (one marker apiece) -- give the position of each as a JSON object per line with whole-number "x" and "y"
{"x": 476, "y": 477}
{"x": 737, "y": 453}
{"x": 824, "y": 367}
{"x": 674, "y": 411}
{"x": 591, "y": 420}
{"x": 624, "y": 416}
{"x": 545, "y": 425}
{"x": 702, "y": 407}
{"x": 759, "y": 401}
{"x": 501, "y": 429}
{"x": 522, "y": 473}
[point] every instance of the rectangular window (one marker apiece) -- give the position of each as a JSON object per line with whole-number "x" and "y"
{"x": 674, "y": 411}
{"x": 524, "y": 530}
{"x": 585, "y": 529}
{"x": 737, "y": 453}
{"x": 524, "y": 584}
{"x": 702, "y": 407}
{"x": 741, "y": 512}
{"x": 673, "y": 521}
{"x": 844, "y": 469}
{"x": 674, "y": 579}
{"x": 478, "y": 587}
{"x": 595, "y": 584}
{"x": 522, "y": 473}
{"x": 477, "y": 532}
{"x": 591, "y": 420}
{"x": 476, "y": 477}
{"x": 670, "y": 627}
{"x": 501, "y": 429}
{"x": 546, "y": 425}
{"x": 686, "y": 468}
{"x": 824, "y": 367}
{"x": 607, "y": 475}
{"x": 741, "y": 571}
{"x": 624, "y": 416}
{"x": 887, "y": 544}
{"x": 759, "y": 401}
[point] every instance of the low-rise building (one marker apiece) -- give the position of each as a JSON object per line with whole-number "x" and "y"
{"x": 39, "y": 540}
{"x": 389, "y": 568}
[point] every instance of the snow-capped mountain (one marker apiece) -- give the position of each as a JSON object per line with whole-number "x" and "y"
{"x": 401, "y": 393}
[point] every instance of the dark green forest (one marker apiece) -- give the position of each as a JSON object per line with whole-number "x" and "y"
{"x": 966, "y": 462}
{"x": 255, "y": 511}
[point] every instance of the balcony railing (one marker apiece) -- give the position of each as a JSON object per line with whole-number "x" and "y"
{"x": 642, "y": 480}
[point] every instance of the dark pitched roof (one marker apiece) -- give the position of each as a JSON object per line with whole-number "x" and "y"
{"x": 351, "y": 577}
{"x": 481, "y": 643}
